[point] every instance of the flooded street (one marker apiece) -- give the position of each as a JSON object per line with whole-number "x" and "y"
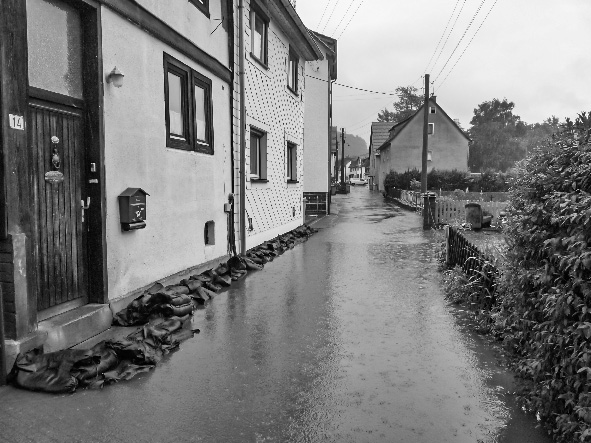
{"x": 345, "y": 338}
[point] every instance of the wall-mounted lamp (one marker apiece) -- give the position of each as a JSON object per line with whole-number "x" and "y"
{"x": 115, "y": 77}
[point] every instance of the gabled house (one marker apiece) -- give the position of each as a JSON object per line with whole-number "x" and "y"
{"x": 358, "y": 168}
{"x": 447, "y": 144}
{"x": 102, "y": 100}
{"x": 318, "y": 157}
{"x": 380, "y": 131}
{"x": 277, "y": 46}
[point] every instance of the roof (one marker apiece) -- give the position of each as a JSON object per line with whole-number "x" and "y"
{"x": 398, "y": 127}
{"x": 291, "y": 23}
{"x": 380, "y": 131}
{"x": 329, "y": 45}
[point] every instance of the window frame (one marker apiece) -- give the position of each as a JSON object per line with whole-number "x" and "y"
{"x": 291, "y": 155}
{"x": 430, "y": 128}
{"x": 293, "y": 71}
{"x": 432, "y": 110}
{"x": 257, "y": 12}
{"x": 202, "y": 5}
{"x": 189, "y": 79}
{"x": 261, "y": 160}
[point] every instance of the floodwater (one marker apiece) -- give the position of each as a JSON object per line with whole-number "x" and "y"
{"x": 345, "y": 338}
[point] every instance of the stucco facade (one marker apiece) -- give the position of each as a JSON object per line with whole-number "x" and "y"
{"x": 187, "y": 189}
{"x": 447, "y": 145}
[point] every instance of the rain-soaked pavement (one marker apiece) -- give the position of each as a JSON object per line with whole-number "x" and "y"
{"x": 345, "y": 338}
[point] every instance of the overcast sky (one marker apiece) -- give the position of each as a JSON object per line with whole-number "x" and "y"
{"x": 532, "y": 52}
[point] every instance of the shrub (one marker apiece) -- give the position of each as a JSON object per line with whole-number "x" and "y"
{"x": 449, "y": 180}
{"x": 546, "y": 298}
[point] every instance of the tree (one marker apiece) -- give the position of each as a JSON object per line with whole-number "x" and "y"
{"x": 495, "y": 135}
{"x": 407, "y": 104}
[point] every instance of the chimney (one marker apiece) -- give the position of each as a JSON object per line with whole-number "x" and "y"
{"x": 434, "y": 98}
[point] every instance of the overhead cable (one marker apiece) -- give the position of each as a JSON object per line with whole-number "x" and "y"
{"x": 452, "y": 68}
{"x": 330, "y": 16}
{"x": 448, "y": 35}
{"x": 324, "y": 12}
{"x": 461, "y": 38}
{"x": 442, "y": 35}
{"x": 351, "y": 87}
{"x": 344, "y": 15}
{"x": 352, "y": 17}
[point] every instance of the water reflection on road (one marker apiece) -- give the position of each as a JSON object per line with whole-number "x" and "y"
{"x": 345, "y": 338}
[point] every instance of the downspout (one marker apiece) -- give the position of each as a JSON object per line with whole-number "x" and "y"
{"x": 242, "y": 133}
{"x": 330, "y": 82}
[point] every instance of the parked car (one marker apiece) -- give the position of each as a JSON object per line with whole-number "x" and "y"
{"x": 357, "y": 181}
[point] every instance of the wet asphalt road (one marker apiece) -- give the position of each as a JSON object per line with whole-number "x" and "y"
{"x": 345, "y": 338}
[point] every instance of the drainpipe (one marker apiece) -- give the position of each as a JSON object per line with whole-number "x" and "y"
{"x": 242, "y": 133}
{"x": 2, "y": 344}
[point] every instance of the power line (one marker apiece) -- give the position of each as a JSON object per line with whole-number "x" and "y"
{"x": 351, "y": 87}
{"x": 449, "y": 35}
{"x": 452, "y": 68}
{"x": 332, "y": 12}
{"x": 324, "y": 12}
{"x": 344, "y": 15}
{"x": 352, "y": 17}
{"x": 462, "y": 38}
{"x": 442, "y": 35}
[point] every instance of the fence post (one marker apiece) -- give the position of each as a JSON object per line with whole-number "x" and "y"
{"x": 447, "y": 246}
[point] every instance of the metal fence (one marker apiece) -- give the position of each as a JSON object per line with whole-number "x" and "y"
{"x": 459, "y": 251}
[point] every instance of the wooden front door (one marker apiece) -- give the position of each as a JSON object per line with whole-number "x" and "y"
{"x": 57, "y": 139}
{"x": 56, "y": 135}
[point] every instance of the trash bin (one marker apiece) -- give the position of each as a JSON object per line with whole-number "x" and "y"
{"x": 474, "y": 215}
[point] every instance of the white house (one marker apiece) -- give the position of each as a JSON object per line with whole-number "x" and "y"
{"x": 318, "y": 158}
{"x": 111, "y": 98}
{"x": 277, "y": 46}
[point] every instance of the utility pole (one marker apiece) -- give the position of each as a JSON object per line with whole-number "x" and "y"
{"x": 343, "y": 155}
{"x": 336, "y": 161}
{"x": 425, "y": 136}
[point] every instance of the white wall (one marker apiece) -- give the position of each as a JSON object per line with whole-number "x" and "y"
{"x": 316, "y": 126}
{"x": 189, "y": 21}
{"x": 186, "y": 189}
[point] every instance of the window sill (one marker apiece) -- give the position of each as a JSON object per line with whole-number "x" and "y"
{"x": 259, "y": 61}
{"x": 259, "y": 180}
{"x": 293, "y": 91}
{"x": 292, "y": 181}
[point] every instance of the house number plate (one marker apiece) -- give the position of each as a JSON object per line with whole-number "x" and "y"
{"x": 17, "y": 122}
{"x": 54, "y": 177}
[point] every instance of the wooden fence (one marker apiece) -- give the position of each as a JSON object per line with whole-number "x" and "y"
{"x": 461, "y": 252}
{"x": 448, "y": 211}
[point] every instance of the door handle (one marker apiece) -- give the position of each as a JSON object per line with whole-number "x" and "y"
{"x": 85, "y": 207}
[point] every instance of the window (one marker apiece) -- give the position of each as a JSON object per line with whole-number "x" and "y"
{"x": 432, "y": 109}
{"x": 258, "y": 154}
{"x": 292, "y": 72}
{"x": 431, "y": 129}
{"x": 292, "y": 163}
{"x": 202, "y": 5}
{"x": 429, "y": 156}
{"x": 188, "y": 108}
{"x": 259, "y": 26}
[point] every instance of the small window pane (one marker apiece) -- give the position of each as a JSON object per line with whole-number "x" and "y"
{"x": 175, "y": 107}
{"x": 254, "y": 154}
{"x": 54, "y": 37}
{"x": 259, "y": 38}
{"x": 200, "y": 113}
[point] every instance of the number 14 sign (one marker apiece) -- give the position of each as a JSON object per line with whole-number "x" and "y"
{"x": 17, "y": 122}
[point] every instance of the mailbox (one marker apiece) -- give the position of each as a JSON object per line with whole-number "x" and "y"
{"x": 132, "y": 209}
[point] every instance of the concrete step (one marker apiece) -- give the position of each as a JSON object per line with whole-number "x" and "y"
{"x": 75, "y": 326}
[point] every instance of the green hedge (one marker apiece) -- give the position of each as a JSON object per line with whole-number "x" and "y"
{"x": 546, "y": 297}
{"x": 449, "y": 180}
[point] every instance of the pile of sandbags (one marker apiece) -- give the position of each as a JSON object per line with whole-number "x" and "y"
{"x": 107, "y": 362}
